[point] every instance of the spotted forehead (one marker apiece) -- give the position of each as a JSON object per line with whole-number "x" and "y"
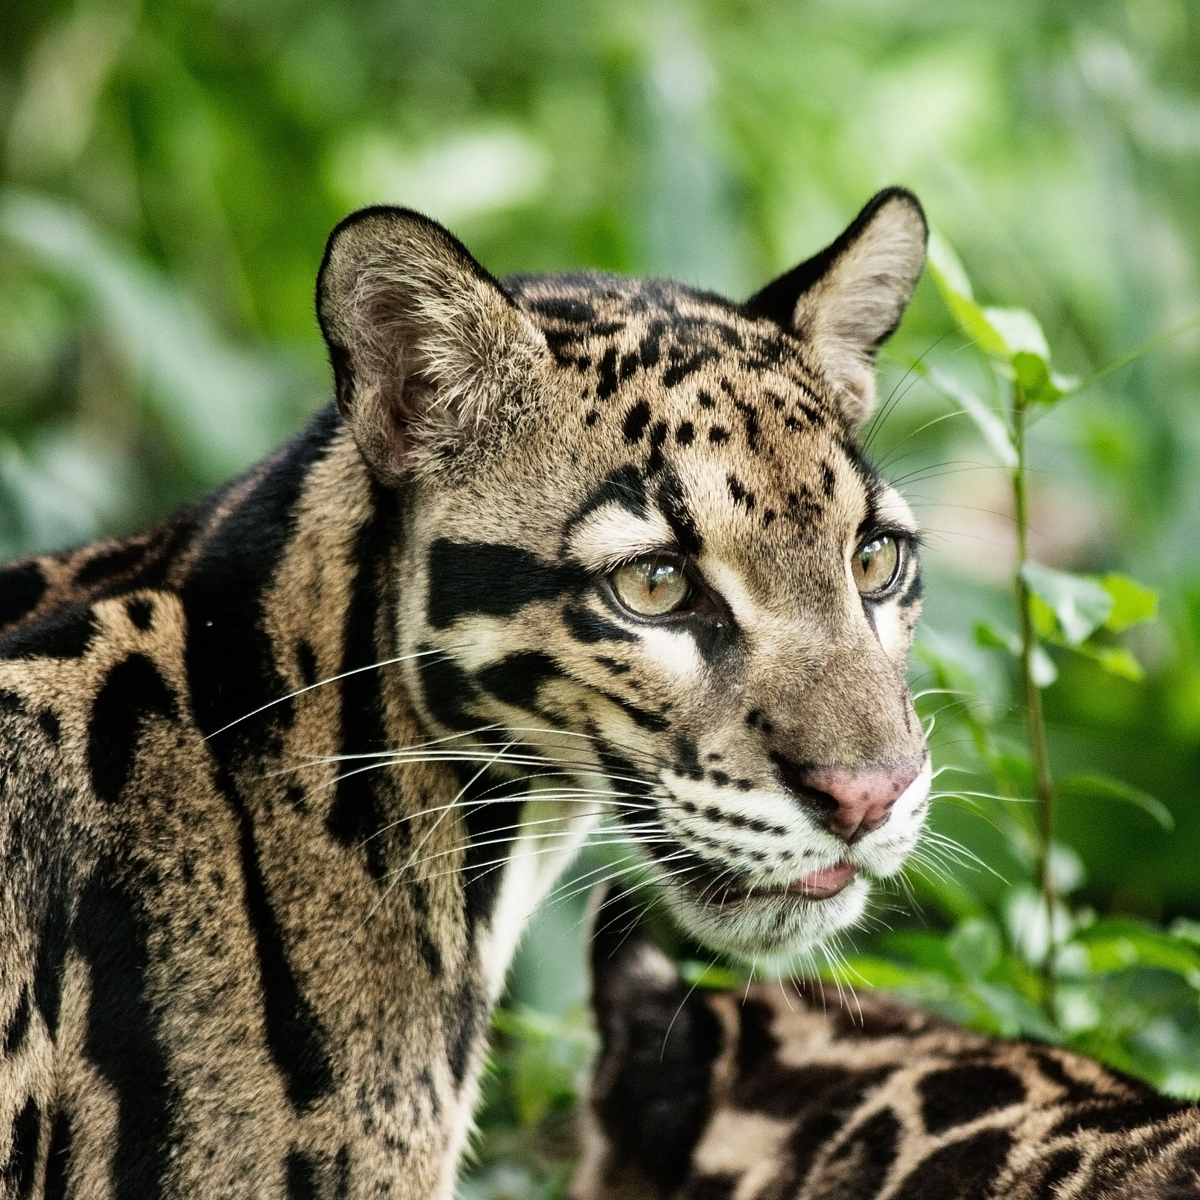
{"x": 669, "y": 377}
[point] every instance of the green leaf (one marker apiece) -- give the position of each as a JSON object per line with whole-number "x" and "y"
{"x": 1094, "y": 786}
{"x": 1132, "y": 603}
{"x": 1117, "y": 944}
{"x": 990, "y": 637}
{"x": 1080, "y": 603}
{"x": 994, "y": 431}
{"x": 1034, "y": 378}
{"x": 1116, "y": 660}
{"x": 1045, "y": 620}
{"x": 951, "y": 280}
{"x": 1021, "y": 332}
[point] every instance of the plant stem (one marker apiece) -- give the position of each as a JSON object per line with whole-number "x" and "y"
{"x": 1034, "y": 721}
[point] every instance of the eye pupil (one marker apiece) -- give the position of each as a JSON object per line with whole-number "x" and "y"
{"x": 875, "y": 564}
{"x": 651, "y": 587}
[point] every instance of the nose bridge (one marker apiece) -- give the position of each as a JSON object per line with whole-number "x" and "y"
{"x": 852, "y": 711}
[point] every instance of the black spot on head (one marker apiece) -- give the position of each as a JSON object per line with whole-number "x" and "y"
{"x": 562, "y": 308}
{"x": 685, "y": 434}
{"x": 629, "y": 366}
{"x": 22, "y": 586}
{"x": 705, "y": 400}
{"x": 718, "y": 435}
{"x": 658, "y": 435}
{"x": 132, "y": 692}
{"x": 828, "y": 480}
{"x": 768, "y": 517}
{"x": 681, "y": 368}
{"x": 612, "y": 666}
{"x": 592, "y": 417}
{"x": 636, "y": 420}
{"x": 648, "y": 349}
{"x": 490, "y": 579}
{"x": 956, "y": 1095}
{"x": 740, "y": 493}
{"x": 607, "y": 383}
{"x": 962, "y": 1169}
{"x": 750, "y": 419}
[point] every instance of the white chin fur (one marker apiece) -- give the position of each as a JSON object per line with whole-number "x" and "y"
{"x": 769, "y": 927}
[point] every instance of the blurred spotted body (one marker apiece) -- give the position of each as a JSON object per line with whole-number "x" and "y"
{"x": 795, "y": 1091}
{"x": 281, "y": 779}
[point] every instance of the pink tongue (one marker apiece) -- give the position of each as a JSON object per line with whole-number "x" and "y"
{"x": 830, "y": 877}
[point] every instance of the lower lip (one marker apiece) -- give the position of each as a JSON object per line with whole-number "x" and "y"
{"x": 820, "y": 885}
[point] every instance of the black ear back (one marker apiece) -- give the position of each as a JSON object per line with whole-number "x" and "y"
{"x": 848, "y": 299}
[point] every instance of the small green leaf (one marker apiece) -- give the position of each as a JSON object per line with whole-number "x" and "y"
{"x": 1045, "y": 620}
{"x": 1034, "y": 379}
{"x": 1021, "y": 332}
{"x": 1117, "y": 943}
{"x": 952, "y": 282}
{"x": 990, "y": 637}
{"x": 1081, "y": 604}
{"x": 1132, "y": 603}
{"x": 1116, "y": 660}
{"x": 1094, "y": 786}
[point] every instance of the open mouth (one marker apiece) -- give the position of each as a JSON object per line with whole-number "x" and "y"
{"x": 820, "y": 885}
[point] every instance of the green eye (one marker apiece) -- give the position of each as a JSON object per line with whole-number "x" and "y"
{"x": 875, "y": 564}
{"x": 652, "y": 587}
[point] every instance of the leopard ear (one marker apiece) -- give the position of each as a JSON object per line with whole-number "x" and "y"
{"x": 847, "y": 300}
{"x": 427, "y": 348}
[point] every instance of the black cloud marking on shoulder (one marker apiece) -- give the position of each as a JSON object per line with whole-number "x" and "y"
{"x": 123, "y": 1038}
{"x": 116, "y": 560}
{"x": 22, "y": 585}
{"x": 133, "y": 691}
{"x": 491, "y": 580}
{"x": 62, "y": 633}
{"x": 957, "y": 1095}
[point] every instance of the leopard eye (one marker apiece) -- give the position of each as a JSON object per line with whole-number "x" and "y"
{"x": 875, "y": 564}
{"x": 652, "y": 587}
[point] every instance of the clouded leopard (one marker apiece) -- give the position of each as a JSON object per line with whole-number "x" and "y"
{"x": 795, "y": 1090}
{"x": 283, "y": 777}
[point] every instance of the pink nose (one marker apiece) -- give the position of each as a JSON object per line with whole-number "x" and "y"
{"x": 848, "y": 803}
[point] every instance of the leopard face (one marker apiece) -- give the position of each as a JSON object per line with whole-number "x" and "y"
{"x": 647, "y": 564}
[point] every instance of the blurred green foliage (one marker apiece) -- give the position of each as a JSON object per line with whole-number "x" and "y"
{"x": 169, "y": 171}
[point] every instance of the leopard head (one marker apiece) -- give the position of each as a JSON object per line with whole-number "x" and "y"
{"x": 645, "y": 557}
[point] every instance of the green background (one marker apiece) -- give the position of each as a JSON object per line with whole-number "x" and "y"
{"x": 169, "y": 172}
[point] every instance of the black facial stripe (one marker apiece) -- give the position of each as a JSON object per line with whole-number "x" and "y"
{"x": 589, "y": 627}
{"x": 515, "y": 679}
{"x": 447, "y": 689}
{"x": 624, "y": 486}
{"x": 678, "y": 516}
{"x": 654, "y": 722}
{"x": 491, "y": 580}
{"x": 133, "y": 691}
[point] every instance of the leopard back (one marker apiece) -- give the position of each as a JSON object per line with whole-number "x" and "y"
{"x": 797, "y": 1090}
